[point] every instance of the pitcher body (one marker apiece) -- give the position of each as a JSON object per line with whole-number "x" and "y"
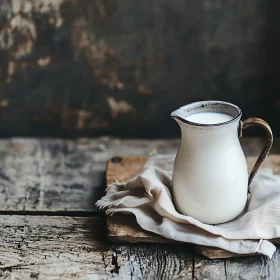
{"x": 210, "y": 178}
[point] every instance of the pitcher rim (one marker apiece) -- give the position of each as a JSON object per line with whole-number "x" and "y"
{"x": 202, "y": 104}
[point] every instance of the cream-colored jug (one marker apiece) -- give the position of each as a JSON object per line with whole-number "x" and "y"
{"x": 210, "y": 179}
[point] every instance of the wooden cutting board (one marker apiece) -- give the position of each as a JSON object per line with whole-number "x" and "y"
{"x": 123, "y": 228}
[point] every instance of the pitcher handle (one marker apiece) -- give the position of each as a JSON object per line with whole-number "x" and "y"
{"x": 263, "y": 124}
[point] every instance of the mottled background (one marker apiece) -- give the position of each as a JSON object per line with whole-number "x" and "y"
{"x": 119, "y": 67}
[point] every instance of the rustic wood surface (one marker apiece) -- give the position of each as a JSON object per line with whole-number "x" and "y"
{"x": 50, "y": 228}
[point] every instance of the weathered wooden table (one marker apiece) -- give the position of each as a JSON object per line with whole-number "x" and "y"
{"x": 50, "y": 228}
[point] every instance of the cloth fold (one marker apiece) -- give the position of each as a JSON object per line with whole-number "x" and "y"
{"x": 148, "y": 197}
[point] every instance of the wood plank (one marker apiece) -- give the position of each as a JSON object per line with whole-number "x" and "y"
{"x": 61, "y": 175}
{"x": 124, "y": 228}
{"x": 254, "y": 267}
{"x": 216, "y": 253}
{"x": 245, "y": 268}
{"x": 69, "y": 175}
{"x": 48, "y": 245}
{"x": 44, "y": 247}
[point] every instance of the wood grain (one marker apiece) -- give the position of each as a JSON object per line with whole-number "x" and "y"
{"x": 45, "y": 247}
{"x": 61, "y": 175}
{"x": 253, "y": 267}
{"x": 243, "y": 268}
{"x": 51, "y": 246}
{"x": 123, "y": 228}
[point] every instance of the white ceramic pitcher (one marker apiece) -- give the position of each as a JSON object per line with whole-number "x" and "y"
{"x": 210, "y": 179}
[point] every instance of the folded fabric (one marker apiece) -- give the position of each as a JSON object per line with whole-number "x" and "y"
{"x": 148, "y": 197}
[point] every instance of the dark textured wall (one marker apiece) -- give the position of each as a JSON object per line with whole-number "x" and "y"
{"x": 89, "y": 67}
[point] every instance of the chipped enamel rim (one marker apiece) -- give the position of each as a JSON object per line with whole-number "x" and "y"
{"x": 208, "y": 106}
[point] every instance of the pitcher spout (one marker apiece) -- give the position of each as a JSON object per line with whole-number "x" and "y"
{"x": 178, "y": 116}
{"x": 174, "y": 115}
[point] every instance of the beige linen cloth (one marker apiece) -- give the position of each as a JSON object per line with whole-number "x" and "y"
{"x": 148, "y": 197}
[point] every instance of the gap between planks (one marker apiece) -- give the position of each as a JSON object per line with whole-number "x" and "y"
{"x": 54, "y": 213}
